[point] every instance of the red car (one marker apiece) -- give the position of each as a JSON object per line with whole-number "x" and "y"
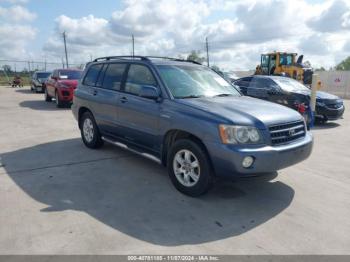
{"x": 61, "y": 85}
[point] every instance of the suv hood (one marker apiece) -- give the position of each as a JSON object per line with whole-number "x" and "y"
{"x": 69, "y": 83}
{"x": 245, "y": 110}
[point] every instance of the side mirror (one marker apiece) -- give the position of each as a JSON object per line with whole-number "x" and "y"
{"x": 150, "y": 92}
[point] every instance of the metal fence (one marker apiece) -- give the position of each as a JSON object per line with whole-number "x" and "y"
{"x": 25, "y": 69}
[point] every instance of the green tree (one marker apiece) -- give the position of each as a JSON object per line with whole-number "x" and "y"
{"x": 320, "y": 69}
{"x": 6, "y": 68}
{"x": 344, "y": 65}
{"x": 215, "y": 68}
{"x": 196, "y": 56}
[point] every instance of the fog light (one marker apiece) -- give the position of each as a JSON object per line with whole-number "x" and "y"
{"x": 247, "y": 161}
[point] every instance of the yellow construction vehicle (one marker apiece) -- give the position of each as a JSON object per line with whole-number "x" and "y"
{"x": 287, "y": 64}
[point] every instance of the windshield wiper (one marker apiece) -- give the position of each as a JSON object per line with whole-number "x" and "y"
{"x": 191, "y": 96}
{"x": 222, "y": 95}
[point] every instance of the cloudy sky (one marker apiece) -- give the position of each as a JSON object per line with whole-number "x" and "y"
{"x": 238, "y": 31}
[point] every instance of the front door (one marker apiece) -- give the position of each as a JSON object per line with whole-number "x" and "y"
{"x": 138, "y": 117}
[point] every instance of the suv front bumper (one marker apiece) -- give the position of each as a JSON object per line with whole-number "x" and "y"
{"x": 227, "y": 159}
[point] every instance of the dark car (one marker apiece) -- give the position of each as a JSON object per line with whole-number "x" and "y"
{"x": 61, "y": 85}
{"x": 188, "y": 118}
{"x": 38, "y": 81}
{"x": 291, "y": 93}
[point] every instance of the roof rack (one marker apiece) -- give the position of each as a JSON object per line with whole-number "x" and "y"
{"x": 174, "y": 59}
{"x": 144, "y": 58}
{"x": 107, "y": 58}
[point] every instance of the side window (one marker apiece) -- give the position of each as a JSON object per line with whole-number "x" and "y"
{"x": 244, "y": 82}
{"x": 114, "y": 76}
{"x": 261, "y": 83}
{"x": 92, "y": 75}
{"x": 138, "y": 76}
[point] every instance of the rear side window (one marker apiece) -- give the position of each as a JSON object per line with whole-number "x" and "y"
{"x": 244, "y": 82}
{"x": 114, "y": 76}
{"x": 262, "y": 83}
{"x": 92, "y": 75}
{"x": 138, "y": 76}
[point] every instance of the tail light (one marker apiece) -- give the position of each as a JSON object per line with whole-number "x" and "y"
{"x": 301, "y": 108}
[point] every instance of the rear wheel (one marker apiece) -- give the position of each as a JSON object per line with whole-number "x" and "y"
{"x": 89, "y": 131}
{"x": 48, "y": 98}
{"x": 189, "y": 168}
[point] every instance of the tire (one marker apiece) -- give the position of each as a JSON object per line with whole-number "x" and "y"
{"x": 59, "y": 103}
{"x": 48, "y": 98}
{"x": 203, "y": 173}
{"x": 87, "y": 123}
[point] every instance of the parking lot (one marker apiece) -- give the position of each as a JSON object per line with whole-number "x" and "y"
{"x": 58, "y": 197}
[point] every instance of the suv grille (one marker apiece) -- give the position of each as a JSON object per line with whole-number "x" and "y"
{"x": 334, "y": 106}
{"x": 285, "y": 133}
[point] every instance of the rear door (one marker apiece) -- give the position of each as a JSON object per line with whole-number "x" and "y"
{"x": 137, "y": 116}
{"x": 105, "y": 82}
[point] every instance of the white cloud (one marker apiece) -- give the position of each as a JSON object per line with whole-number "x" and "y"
{"x": 15, "y": 29}
{"x": 238, "y": 31}
{"x": 334, "y": 18}
{"x": 16, "y": 13}
{"x": 13, "y": 40}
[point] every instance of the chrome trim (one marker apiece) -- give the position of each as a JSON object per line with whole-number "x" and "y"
{"x": 121, "y": 145}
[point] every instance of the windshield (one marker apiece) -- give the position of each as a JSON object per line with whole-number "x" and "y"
{"x": 70, "y": 74}
{"x": 194, "y": 81}
{"x": 286, "y": 59}
{"x": 290, "y": 85}
{"x": 43, "y": 75}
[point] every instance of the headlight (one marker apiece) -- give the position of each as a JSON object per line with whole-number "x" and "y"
{"x": 239, "y": 135}
{"x": 320, "y": 103}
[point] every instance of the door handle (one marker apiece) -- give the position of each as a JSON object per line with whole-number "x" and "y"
{"x": 95, "y": 92}
{"x": 123, "y": 99}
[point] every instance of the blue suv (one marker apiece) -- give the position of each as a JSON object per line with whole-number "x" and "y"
{"x": 188, "y": 118}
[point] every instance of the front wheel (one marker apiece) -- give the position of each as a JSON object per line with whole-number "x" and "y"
{"x": 48, "y": 98}
{"x": 189, "y": 168}
{"x": 89, "y": 131}
{"x": 59, "y": 103}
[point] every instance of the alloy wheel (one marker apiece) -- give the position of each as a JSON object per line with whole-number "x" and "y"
{"x": 88, "y": 130}
{"x": 186, "y": 168}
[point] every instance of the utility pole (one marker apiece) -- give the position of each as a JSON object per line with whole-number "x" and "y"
{"x": 62, "y": 62}
{"x": 207, "y": 47}
{"x": 65, "y": 47}
{"x": 133, "y": 46}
